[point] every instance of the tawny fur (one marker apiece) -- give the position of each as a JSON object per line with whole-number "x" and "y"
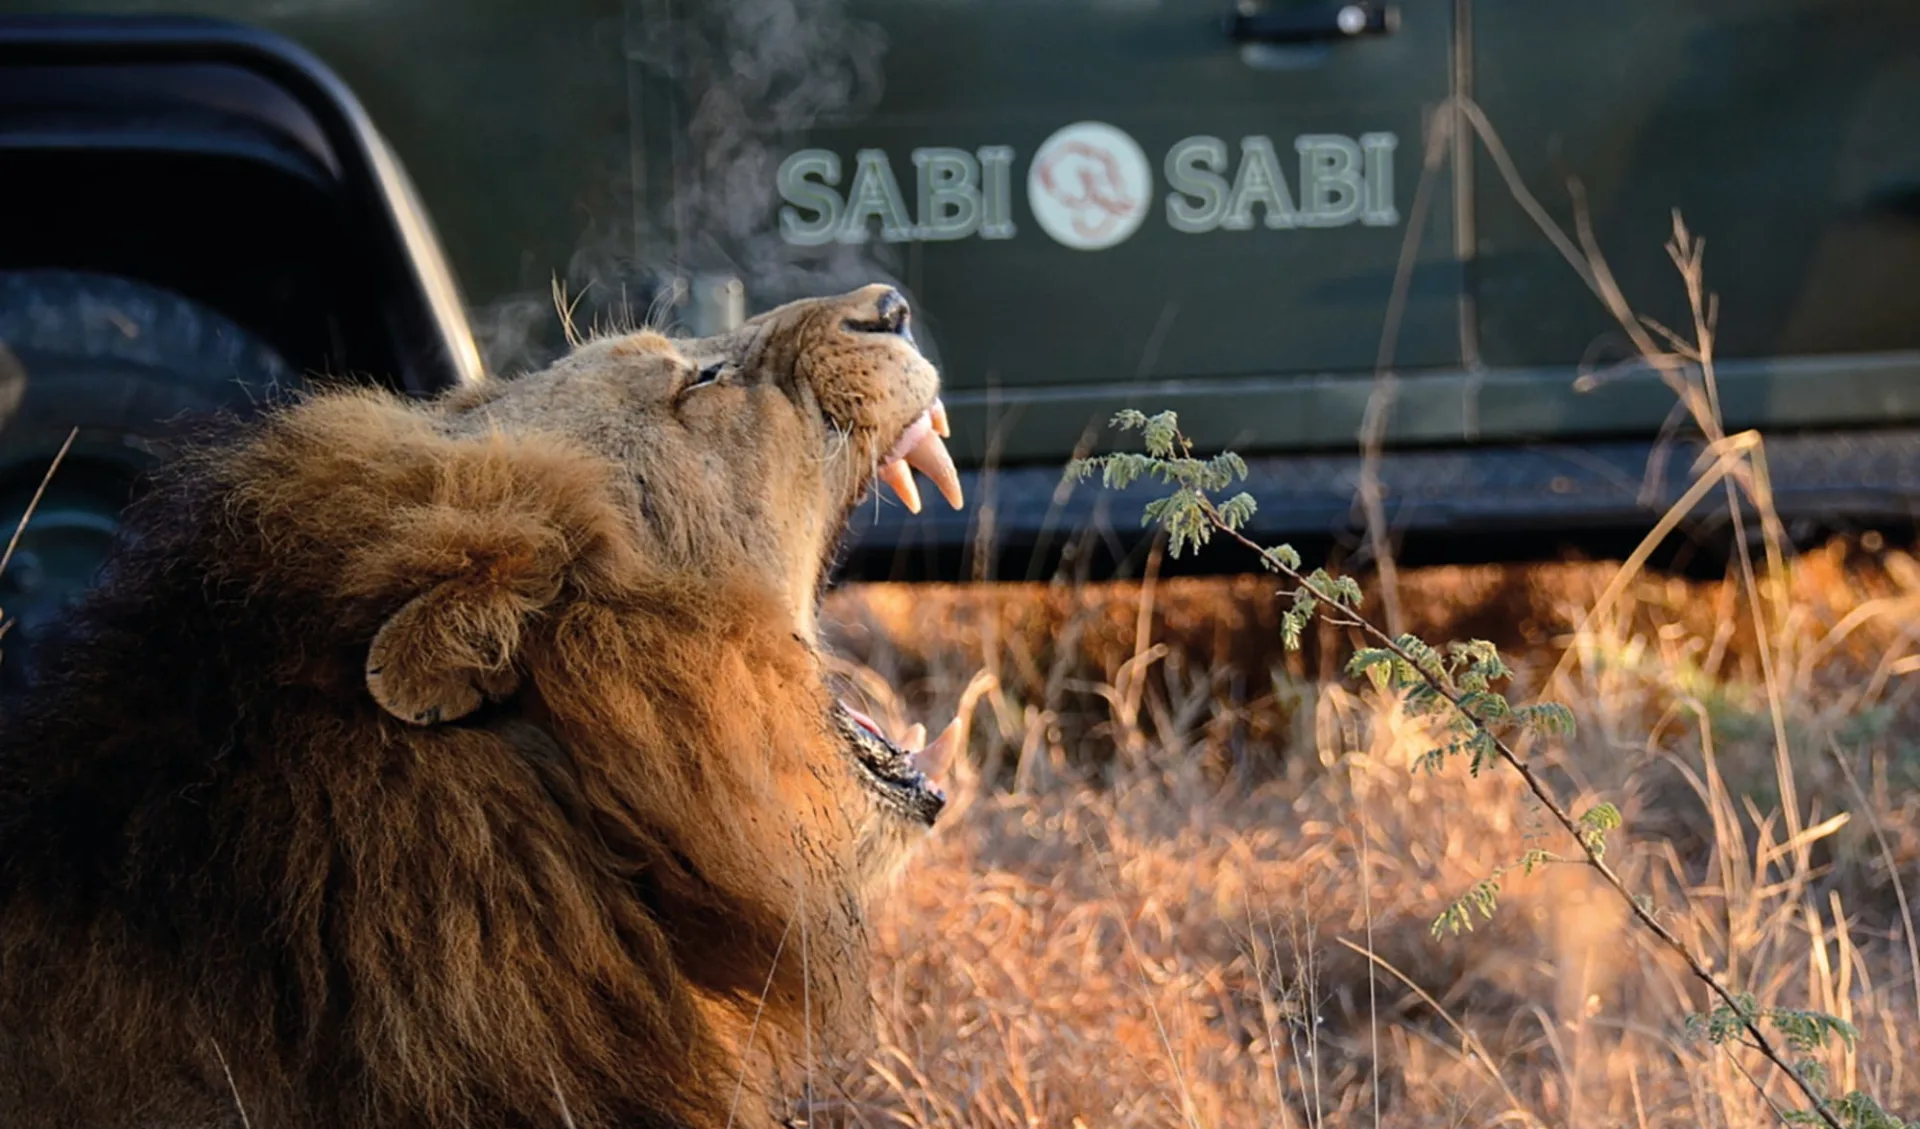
{"x": 462, "y": 764}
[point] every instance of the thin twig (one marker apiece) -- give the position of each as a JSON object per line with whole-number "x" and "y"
{"x": 34, "y": 503}
{"x": 1542, "y": 793}
{"x": 238, "y": 1105}
{"x": 1772, "y": 1106}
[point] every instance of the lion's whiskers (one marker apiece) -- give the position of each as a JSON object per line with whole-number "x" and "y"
{"x": 661, "y": 306}
{"x": 873, "y": 470}
{"x": 839, "y": 438}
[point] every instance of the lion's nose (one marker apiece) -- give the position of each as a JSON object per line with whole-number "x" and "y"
{"x": 887, "y": 313}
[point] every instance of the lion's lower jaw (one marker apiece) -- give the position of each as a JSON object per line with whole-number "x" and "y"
{"x": 889, "y": 843}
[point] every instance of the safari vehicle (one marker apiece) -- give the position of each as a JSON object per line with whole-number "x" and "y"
{"x": 1236, "y": 213}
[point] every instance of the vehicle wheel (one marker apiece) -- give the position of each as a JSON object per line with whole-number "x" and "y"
{"x": 124, "y": 363}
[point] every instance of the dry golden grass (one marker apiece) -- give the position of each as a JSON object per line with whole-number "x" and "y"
{"x": 1172, "y": 847}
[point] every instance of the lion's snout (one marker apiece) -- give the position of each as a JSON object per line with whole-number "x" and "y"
{"x": 880, "y": 309}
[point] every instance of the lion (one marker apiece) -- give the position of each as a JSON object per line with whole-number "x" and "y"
{"x": 473, "y": 761}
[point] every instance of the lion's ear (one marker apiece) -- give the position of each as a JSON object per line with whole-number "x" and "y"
{"x": 448, "y": 650}
{"x": 510, "y": 528}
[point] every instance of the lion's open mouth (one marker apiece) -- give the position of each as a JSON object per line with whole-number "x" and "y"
{"x": 921, "y": 447}
{"x": 890, "y": 770}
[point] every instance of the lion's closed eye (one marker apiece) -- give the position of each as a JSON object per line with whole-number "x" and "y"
{"x": 709, "y": 375}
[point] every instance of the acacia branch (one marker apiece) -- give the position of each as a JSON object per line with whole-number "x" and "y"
{"x": 1749, "y": 1023}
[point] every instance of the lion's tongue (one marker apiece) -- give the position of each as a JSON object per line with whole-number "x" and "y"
{"x": 920, "y": 448}
{"x": 866, "y": 722}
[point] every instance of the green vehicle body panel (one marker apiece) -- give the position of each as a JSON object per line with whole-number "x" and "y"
{"x": 590, "y": 140}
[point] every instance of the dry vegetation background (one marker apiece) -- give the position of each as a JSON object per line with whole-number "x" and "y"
{"x": 1190, "y": 879}
{"x": 1174, "y": 846}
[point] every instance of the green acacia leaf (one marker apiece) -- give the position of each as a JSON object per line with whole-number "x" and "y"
{"x": 1535, "y": 859}
{"x": 1485, "y": 705}
{"x": 1482, "y": 748}
{"x": 1602, "y": 816}
{"x": 1548, "y": 718}
{"x": 1366, "y": 658}
{"x": 1160, "y": 433}
{"x": 1237, "y": 510}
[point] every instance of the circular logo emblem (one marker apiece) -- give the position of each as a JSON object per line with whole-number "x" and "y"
{"x": 1088, "y": 186}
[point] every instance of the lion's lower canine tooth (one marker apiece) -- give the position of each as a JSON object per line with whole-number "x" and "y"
{"x": 935, "y": 759}
{"x": 931, "y": 458}
{"x": 896, "y": 475}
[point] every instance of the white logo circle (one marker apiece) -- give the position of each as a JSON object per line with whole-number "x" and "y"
{"x": 1088, "y": 185}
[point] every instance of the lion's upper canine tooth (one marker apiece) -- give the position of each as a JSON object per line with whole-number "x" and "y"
{"x": 896, "y": 475}
{"x": 938, "y": 415}
{"x": 930, "y": 457}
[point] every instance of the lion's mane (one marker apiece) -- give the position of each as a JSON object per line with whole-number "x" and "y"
{"x": 230, "y": 881}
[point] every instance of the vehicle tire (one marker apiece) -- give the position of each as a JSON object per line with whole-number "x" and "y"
{"x": 124, "y": 363}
